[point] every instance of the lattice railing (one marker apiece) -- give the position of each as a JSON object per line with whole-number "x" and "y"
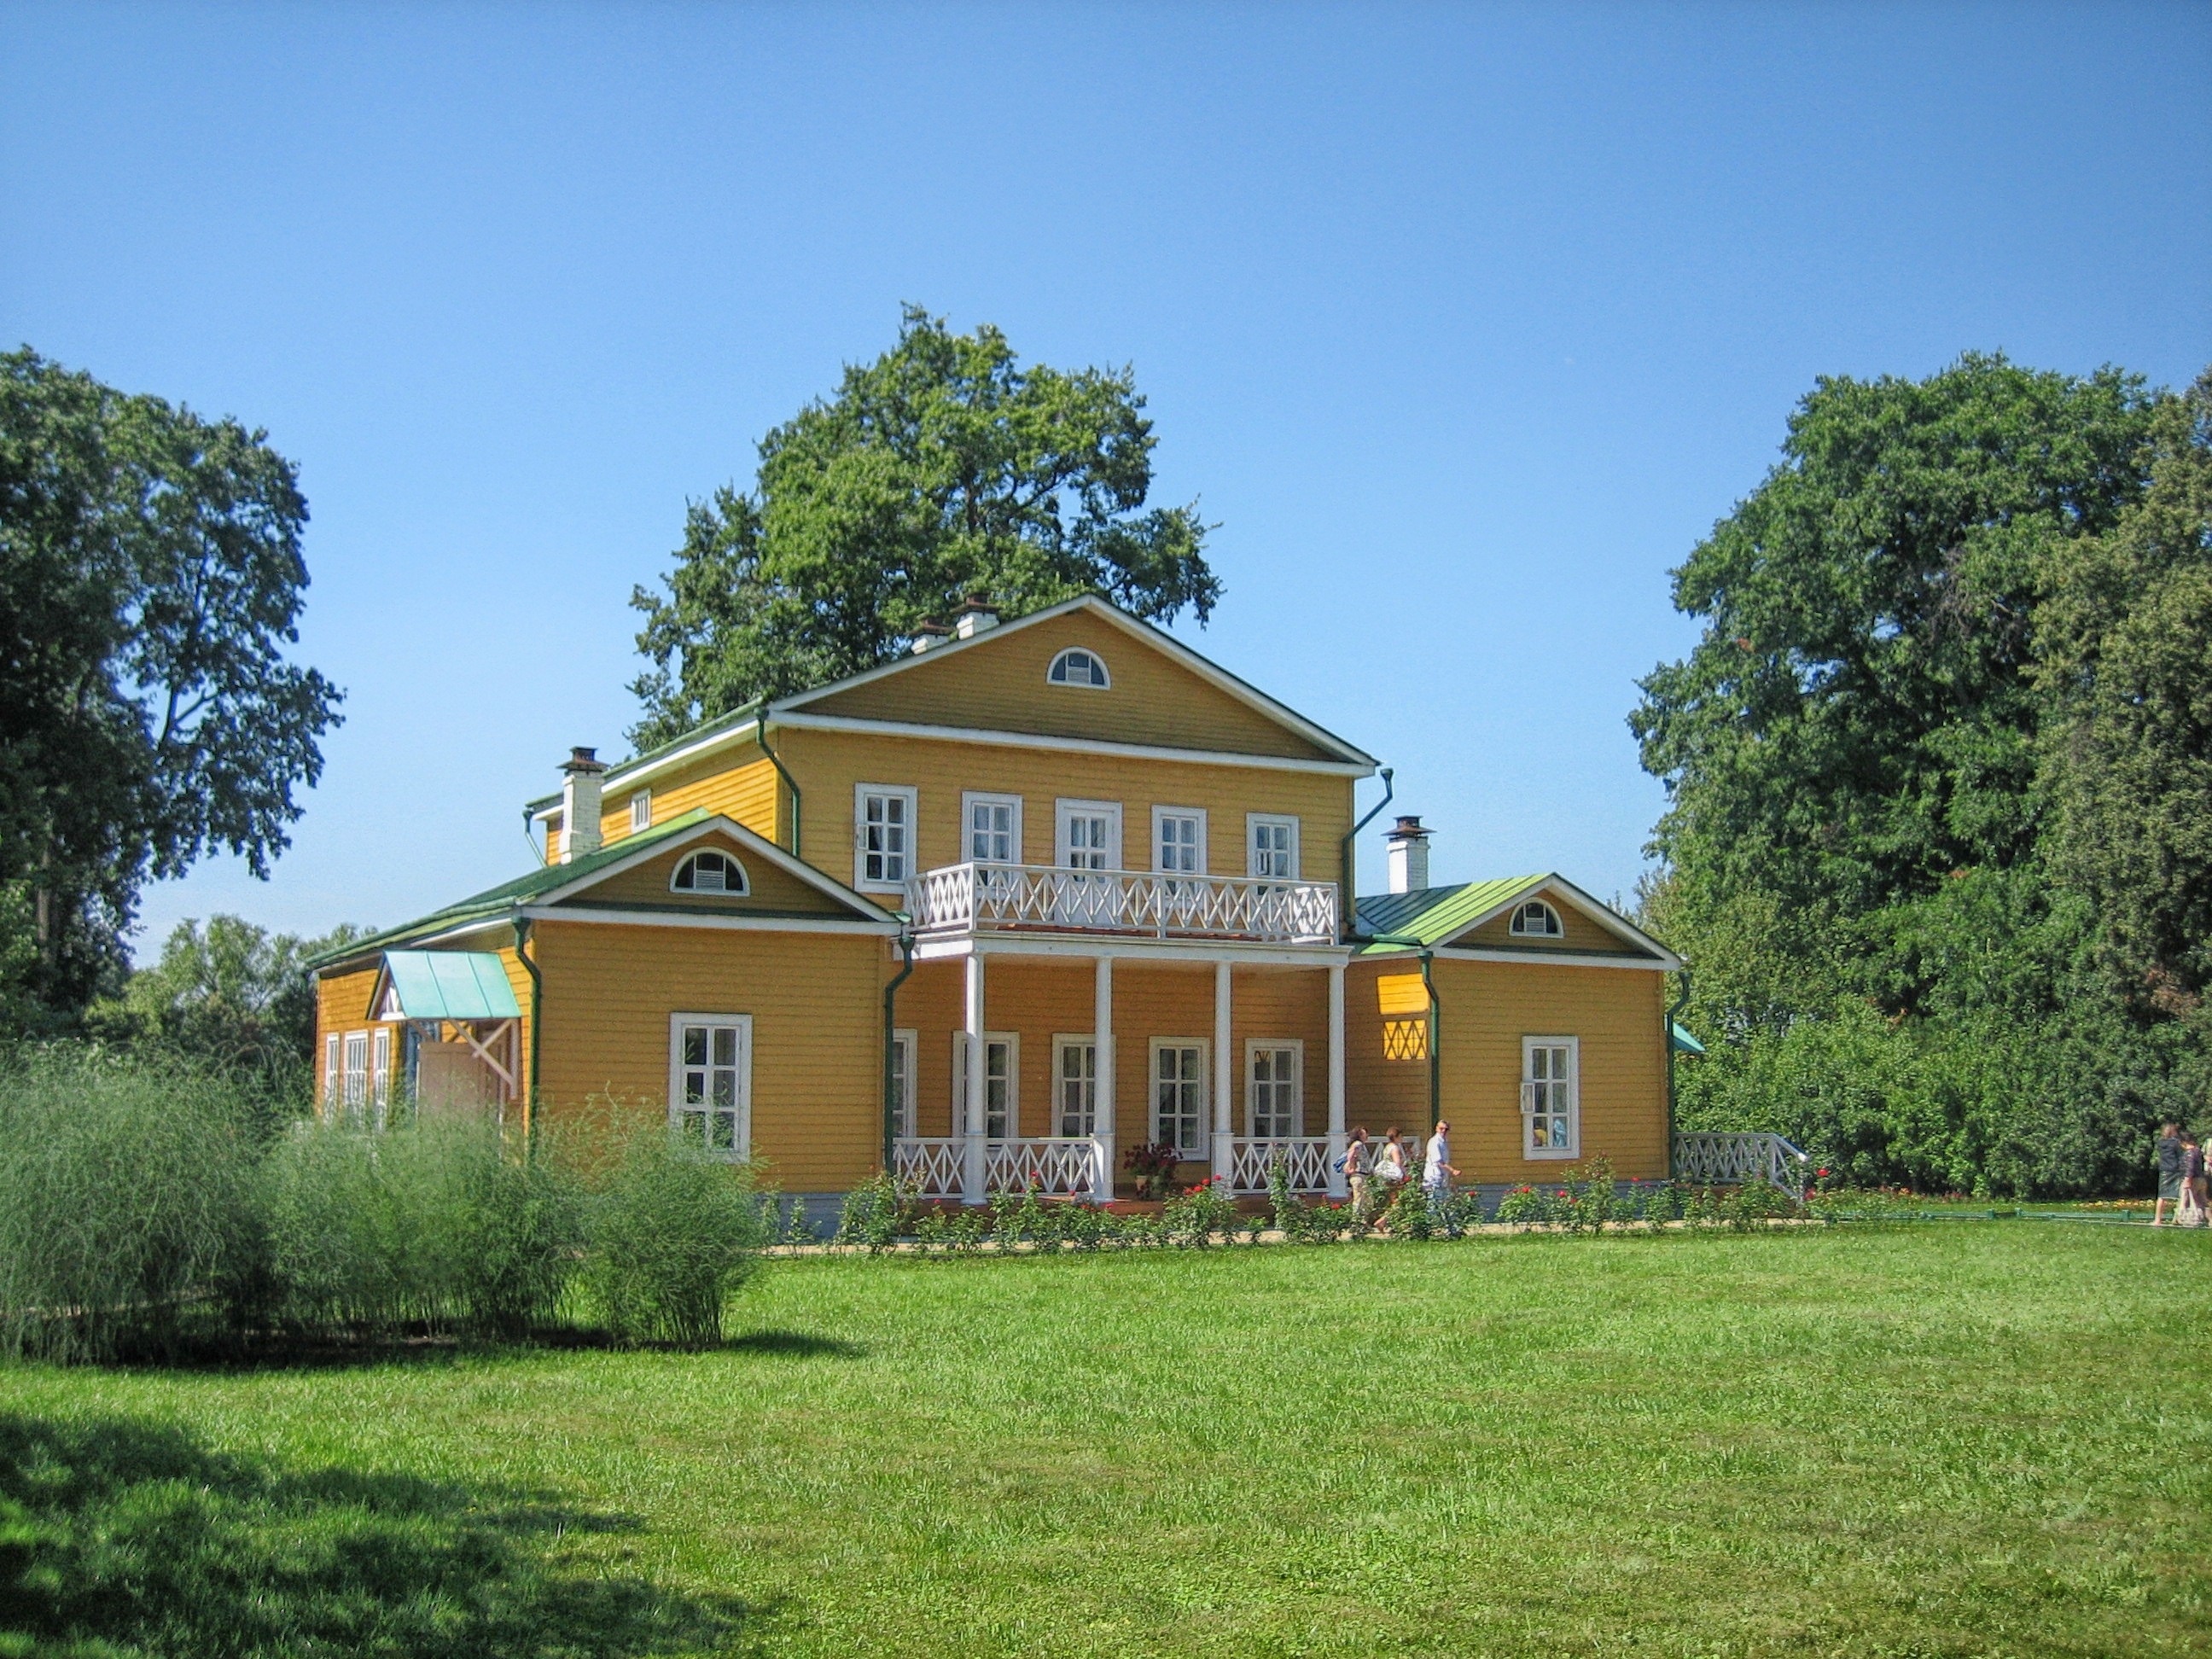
{"x": 1058, "y": 1166}
{"x": 962, "y": 896}
{"x": 1304, "y": 1159}
{"x": 929, "y": 1166}
{"x": 1716, "y": 1159}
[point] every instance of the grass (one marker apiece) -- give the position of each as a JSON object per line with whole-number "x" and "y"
{"x": 1981, "y": 1439}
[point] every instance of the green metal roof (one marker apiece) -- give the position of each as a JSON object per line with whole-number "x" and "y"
{"x": 451, "y": 985}
{"x": 704, "y": 729}
{"x": 1433, "y": 914}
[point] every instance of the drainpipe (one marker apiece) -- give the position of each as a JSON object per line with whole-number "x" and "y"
{"x": 760, "y": 737}
{"x": 891, "y": 1101}
{"x": 537, "y": 1024}
{"x": 1347, "y": 917}
{"x": 1428, "y": 984}
{"x": 1681, "y": 1007}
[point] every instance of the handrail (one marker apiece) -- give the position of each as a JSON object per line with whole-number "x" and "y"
{"x": 960, "y": 897}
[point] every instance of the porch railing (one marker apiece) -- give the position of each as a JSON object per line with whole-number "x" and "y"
{"x": 1058, "y": 1166}
{"x": 1304, "y": 1159}
{"x": 1729, "y": 1160}
{"x": 929, "y": 1165}
{"x": 960, "y": 897}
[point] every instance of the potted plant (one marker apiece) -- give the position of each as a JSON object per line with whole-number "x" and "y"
{"x": 1152, "y": 1164}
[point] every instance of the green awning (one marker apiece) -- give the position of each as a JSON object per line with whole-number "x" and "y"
{"x": 445, "y": 985}
{"x": 1685, "y": 1042}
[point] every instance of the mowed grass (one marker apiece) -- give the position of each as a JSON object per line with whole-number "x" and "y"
{"x": 1966, "y": 1439}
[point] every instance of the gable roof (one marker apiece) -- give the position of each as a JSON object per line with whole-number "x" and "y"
{"x": 730, "y": 727}
{"x": 1437, "y": 916}
{"x": 551, "y": 883}
{"x": 445, "y": 985}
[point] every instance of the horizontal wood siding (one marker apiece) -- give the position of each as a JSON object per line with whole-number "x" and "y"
{"x": 341, "y": 1005}
{"x": 772, "y": 888}
{"x": 999, "y": 684}
{"x": 1488, "y": 1007}
{"x": 739, "y": 783}
{"x": 817, "y": 1032}
{"x": 1582, "y": 934}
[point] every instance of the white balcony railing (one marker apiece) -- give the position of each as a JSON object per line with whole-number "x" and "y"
{"x": 1304, "y": 1159}
{"x": 1729, "y": 1160}
{"x": 962, "y": 897}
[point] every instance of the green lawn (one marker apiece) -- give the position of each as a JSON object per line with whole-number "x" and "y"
{"x": 1969, "y": 1439}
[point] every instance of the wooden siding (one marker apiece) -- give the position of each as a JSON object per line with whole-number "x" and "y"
{"x": 341, "y": 1005}
{"x": 738, "y": 783}
{"x": 1488, "y": 1007}
{"x": 828, "y": 764}
{"x": 999, "y": 684}
{"x": 817, "y": 1046}
{"x": 1582, "y": 934}
{"x": 772, "y": 888}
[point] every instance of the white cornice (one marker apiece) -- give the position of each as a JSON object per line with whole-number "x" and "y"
{"x": 1069, "y": 745}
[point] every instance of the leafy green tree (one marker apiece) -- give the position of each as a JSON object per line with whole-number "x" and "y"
{"x": 150, "y": 580}
{"x": 943, "y": 468}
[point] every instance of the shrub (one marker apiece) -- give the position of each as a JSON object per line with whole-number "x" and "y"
{"x": 674, "y": 1231}
{"x": 875, "y": 1215}
{"x": 126, "y": 1212}
{"x": 1409, "y": 1218}
{"x": 1527, "y": 1206}
{"x": 1190, "y": 1220}
{"x": 1756, "y": 1203}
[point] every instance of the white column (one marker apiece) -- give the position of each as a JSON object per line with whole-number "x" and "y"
{"x": 971, "y": 1127}
{"x": 1102, "y": 1033}
{"x": 1224, "y": 1153}
{"x": 1336, "y": 1183}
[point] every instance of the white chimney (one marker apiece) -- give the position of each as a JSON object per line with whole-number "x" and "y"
{"x": 1409, "y": 856}
{"x": 580, "y": 804}
{"x": 975, "y": 616}
{"x": 928, "y": 635}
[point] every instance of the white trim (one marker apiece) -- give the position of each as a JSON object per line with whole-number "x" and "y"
{"x": 1054, "y": 678}
{"x": 1297, "y": 1046}
{"x": 1202, "y": 1150}
{"x": 742, "y": 1130}
{"x": 331, "y": 1073}
{"x": 1193, "y": 952}
{"x": 887, "y": 928}
{"x": 641, "y": 811}
{"x": 970, "y": 799}
{"x": 749, "y": 842}
{"x": 1013, "y": 1042}
{"x": 355, "y": 1101}
{"x": 1539, "y": 958}
{"x": 742, "y": 889}
{"x": 1065, "y": 807}
{"x": 1198, "y": 813}
{"x": 1056, "y": 1124}
{"x": 908, "y": 1042}
{"x": 1604, "y": 915}
{"x": 1557, "y": 929}
{"x": 1068, "y": 745}
{"x": 1253, "y": 821}
{"x": 379, "y": 1068}
{"x": 1530, "y": 1153}
{"x": 912, "y": 865}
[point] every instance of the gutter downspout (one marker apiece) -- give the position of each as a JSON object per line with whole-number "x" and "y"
{"x": 1347, "y": 918}
{"x": 891, "y": 1101}
{"x": 760, "y": 737}
{"x": 1428, "y": 984}
{"x": 1681, "y": 1006}
{"x": 537, "y": 1024}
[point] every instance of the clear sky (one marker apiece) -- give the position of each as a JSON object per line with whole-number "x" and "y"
{"x": 1464, "y": 323}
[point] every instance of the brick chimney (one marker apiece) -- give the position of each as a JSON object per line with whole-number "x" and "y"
{"x": 580, "y": 804}
{"x": 975, "y": 615}
{"x": 1408, "y": 856}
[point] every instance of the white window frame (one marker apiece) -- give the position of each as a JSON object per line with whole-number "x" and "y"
{"x": 1557, "y": 929}
{"x": 1296, "y": 1048}
{"x": 333, "y": 1100}
{"x": 741, "y": 1135}
{"x": 1203, "y": 1149}
{"x": 907, "y": 1046}
{"x": 1063, "y": 810}
{"x": 641, "y": 810}
{"x": 744, "y": 888}
{"x": 1011, "y": 1042}
{"x": 1573, "y": 1149}
{"x": 1160, "y": 816}
{"x": 912, "y": 797}
{"x": 379, "y": 1070}
{"x": 1063, "y": 1044}
{"x": 1253, "y": 821}
{"x": 1054, "y": 677}
{"x": 356, "y": 1075}
{"x": 972, "y": 799}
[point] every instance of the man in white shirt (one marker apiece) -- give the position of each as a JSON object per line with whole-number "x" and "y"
{"x": 1438, "y": 1173}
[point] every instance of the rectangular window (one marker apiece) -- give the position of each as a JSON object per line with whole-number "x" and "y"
{"x": 1179, "y": 841}
{"x": 883, "y": 838}
{"x": 993, "y": 828}
{"x": 1075, "y": 1085}
{"x": 903, "y": 1055}
{"x": 710, "y": 1063}
{"x": 1001, "y": 1081}
{"x": 641, "y": 810}
{"x": 1550, "y": 1097}
{"x": 379, "y": 1070}
{"x": 1179, "y": 1096}
{"x": 1273, "y": 845}
{"x": 1273, "y": 1086}
{"x": 331, "y": 1076}
{"x": 357, "y": 1074}
{"x": 1089, "y": 834}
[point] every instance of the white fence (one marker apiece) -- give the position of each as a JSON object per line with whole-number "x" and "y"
{"x": 934, "y": 1166}
{"x": 1729, "y": 1160}
{"x": 930, "y": 1165}
{"x": 1304, "y": 1159}
{"x": 962, "y": 896}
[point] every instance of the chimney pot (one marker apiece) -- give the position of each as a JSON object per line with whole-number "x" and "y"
{"x": 1408, "y": 855}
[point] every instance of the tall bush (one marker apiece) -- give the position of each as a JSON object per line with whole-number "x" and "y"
{"x": 674, "y": 1230}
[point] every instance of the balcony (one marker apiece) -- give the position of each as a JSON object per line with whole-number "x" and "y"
{"x": 1044, "y": 898}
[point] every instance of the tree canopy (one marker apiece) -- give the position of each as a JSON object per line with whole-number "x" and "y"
{"x": 150, "y": 582}
{"x": 1936, "y": 841}
{"x": 945, "y": 468}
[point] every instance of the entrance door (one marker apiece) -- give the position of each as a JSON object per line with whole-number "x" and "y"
{"x": 1075, "y": 1086}
{"x": 1090, "y": 839}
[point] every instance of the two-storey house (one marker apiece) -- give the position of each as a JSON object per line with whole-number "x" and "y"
{"x": 997, "y": 912}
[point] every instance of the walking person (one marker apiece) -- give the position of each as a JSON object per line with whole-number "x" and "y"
{"x": 1389, "y": 1176}
{"x": 1436, "y": 1172}
{"x": 2189, "y": 1211}
{"x": 1355, "y": 1174}
{"x": 2169, "y": 1172}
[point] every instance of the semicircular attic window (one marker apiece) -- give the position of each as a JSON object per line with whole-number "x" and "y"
{"x": 1076, "y": 666}
{"x": 1537, "y": 920}
{"x": 709, "y": 872}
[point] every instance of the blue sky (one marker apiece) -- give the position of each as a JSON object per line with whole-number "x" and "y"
{"x": 1464, "y": 323}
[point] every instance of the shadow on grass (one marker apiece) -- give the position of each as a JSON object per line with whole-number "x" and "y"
{"x": 123, "y": 1534}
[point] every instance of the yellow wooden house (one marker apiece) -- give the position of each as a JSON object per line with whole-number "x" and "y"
{"x": 1041, "y": 892}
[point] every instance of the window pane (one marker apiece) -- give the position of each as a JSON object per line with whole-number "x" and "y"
{"x": 695, "y": 1045}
